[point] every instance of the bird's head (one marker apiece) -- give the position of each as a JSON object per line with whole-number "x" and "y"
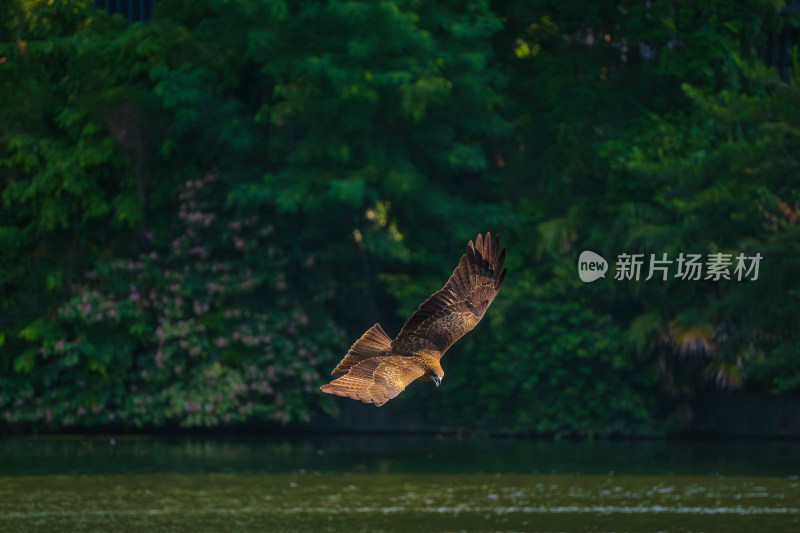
{"x": 437, "y": 378}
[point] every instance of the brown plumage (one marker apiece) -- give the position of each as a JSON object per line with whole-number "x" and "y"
{"x": 377, "y": 368}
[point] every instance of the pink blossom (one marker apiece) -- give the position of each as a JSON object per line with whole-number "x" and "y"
{"x": 222, "y": 342}
{"x": 198, "y": 251}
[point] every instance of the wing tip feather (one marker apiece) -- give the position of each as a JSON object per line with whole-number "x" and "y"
{"x": 500, "y": 280}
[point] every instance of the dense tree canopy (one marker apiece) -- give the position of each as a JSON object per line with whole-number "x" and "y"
{"x": 201, "y": 212}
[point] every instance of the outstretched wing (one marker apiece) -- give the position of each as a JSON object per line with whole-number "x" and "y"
{"x": 374, "y": 343}
{"x": 376, "y": 380}
{"x": 447, "y": 315}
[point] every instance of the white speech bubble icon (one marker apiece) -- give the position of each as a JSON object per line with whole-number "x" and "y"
{"x": 591, "y": 266}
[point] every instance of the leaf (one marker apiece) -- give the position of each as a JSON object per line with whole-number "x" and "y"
{"x": 24, "y": 363}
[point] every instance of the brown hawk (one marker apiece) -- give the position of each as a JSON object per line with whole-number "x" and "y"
{"x": 377, "y": 368}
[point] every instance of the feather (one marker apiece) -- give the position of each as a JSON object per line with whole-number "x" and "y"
{"x": 377, "y": 369}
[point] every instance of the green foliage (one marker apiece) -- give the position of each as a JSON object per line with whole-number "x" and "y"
{"x": 549, "y": 363}
{"x": 192, "y": 214}
{"x": 179, "y": 333}
{"x": 695, "y": 156}
{"x": 199, "y": 212}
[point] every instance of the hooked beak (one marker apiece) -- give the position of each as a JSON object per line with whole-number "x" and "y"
{"x": 436, "y": 380}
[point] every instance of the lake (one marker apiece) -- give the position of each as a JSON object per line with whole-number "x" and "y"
{"x": 383, "y": 483}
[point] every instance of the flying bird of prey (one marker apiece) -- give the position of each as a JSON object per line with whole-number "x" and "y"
{"x": 377, "y": 368}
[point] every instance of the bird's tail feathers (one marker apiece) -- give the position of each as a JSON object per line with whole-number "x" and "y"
{"x": 373, "y": 343}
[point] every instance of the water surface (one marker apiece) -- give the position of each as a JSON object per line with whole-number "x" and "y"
{"x": 368, "y": 483}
